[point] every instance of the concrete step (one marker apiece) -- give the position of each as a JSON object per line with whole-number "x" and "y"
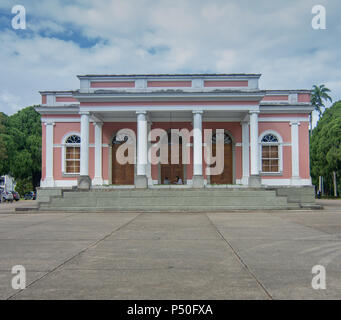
{"x": 162, "y": 193}
{"x": 165, "y": 200}
{"x": 167, "y": 208}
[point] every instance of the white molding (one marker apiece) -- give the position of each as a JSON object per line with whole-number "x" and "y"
{"x": 49, "y": 136}
{"x": 84, "y": 163}
{"x": 280, "y": 149}
{"x": 254, "y": 143}
{"x": 98, "y": 179}
{"x": 245, "y": 153}
{"x": 243, "y": 108}
{"x": 283, "y": 119}
{"x": 295, "y": 165}
{"x": 286, "y": 182}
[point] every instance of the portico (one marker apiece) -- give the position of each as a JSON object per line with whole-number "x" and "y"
{"x": 265, "y": 132}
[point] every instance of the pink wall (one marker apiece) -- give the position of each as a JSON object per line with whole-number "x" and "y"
{"x": 166, "y": 126}
{"x": 304, "y": 150}
{"x": 108, "y": 131}
{"x": 43, "y": 99}
{"x": 66, "y": 99}
{"x": 275, "y": 98}
{"x": 226, "y": 83}
{"x": 62, "y": 128}
{"x": 303, "y": 97}
{"x": 282, "y": 128}
{"x": 236, "y": 131}
{"x": 113, "y": 84}
{"x": 166, "y": 84}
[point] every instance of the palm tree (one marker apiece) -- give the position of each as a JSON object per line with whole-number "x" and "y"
{"x": 319, "y": 97}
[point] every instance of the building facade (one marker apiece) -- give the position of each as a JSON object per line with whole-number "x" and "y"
{"x": 265, "y": 132}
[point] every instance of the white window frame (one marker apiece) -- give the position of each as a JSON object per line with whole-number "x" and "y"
{"x": 280, "y": 151}
{"x": 64, "y": 145}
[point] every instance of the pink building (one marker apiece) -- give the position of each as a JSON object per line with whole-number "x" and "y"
{"x": 266, "y": 132}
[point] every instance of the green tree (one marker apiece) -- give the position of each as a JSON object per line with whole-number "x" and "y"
{"x": 325, "y": 148}
{"x": 23, "y": 186}
{"x": 319, "y": 97}
{"x": 23, "y": 144}
{"x": 3, "y": 149}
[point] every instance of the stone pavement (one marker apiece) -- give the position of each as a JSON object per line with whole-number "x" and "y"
{"x": 239, "y": 255}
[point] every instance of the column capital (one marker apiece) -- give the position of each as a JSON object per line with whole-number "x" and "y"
{"x": 87, "y": 113}
{"x": 294, "y": 123}
{"x": 98, "y": 123}
{"x": 49, "y": 123}
{"x": 197, "y": 111}
{"x": 254, "y": 111}
{"x": 141, "y": 112}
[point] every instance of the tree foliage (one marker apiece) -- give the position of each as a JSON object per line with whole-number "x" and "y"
{"x": 325, "y": 148}
{"x": 319, "y": 96}
{"x": 22, "y": 144}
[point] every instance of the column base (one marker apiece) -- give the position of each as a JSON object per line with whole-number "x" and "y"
{"x": 48, "y": 183}
{"x": 255, "y": 181}
{"x": 141, "y": 182}
{"x": 84, "y": 182}
{"x": 198, "y": 182}
{"x": 97, "y": 181}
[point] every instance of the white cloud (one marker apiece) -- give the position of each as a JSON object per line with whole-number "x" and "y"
{"x": 146, "y": 36}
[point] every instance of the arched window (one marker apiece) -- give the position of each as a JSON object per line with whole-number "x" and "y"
{"x": 72, "y": 154}
{"x": 270, "y": 153}
{"x": 227, "y": 138}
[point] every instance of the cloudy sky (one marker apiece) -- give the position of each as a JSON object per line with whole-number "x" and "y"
{"x": 66, "y": 38}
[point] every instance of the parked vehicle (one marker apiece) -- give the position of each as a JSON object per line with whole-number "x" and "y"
{"x": 30, "y": 195}
{"x": 16, "y": 196}
{"x": 6, "y": 196}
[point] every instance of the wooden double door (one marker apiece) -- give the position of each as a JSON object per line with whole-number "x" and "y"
{"x": 122, "y": 174}
{"x": 172, "y": 170}
{"x": 226, "y": 177}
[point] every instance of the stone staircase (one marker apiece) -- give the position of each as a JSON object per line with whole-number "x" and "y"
{"x": 162, "y": 200}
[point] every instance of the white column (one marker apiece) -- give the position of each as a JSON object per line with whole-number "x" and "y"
{"x": 295, "y": 164}
{"x": 254, "y": 142}
{"x": 84, "y": 170}
{"x": 98, "y": 179}
{"x": 197, "y": 143}
{"x": 149, "y": 165}
{"x": 49, "y": 180}
{"x": 142, "y": 144}
{"x": 245, "y": 152}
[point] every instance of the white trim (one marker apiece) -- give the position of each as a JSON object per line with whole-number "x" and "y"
{"x": 84, "y": 165}
{"x": 245, "y": 153}
{"x": 98, "y": 179}
{"x": 142, "y": 143}
{"x": 65, "y": 183}
{"x": 161, "y": 107}
{"x": 49, "y": 136}
{"x": 280, "y": 150}
{"x": 197, "y": 143}
{"x": 295, "y": 161}
{"x": 60, "y": 119}
{"x": 286, "y": 182}
{"x": 254, "y": 143}
{"x": 283, "y": 119}
{"x": 63, "y": 146}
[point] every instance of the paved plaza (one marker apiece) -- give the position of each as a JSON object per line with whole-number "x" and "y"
{"x": 236, "y": 255}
